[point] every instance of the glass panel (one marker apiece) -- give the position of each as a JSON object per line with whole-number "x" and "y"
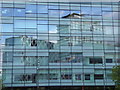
{"x": 6, "y": 26}
{"x": 19, "y": 12}
{"x": 31, "y": 8}
{"x": 54, "y": 13}
{"x": 31, "y": 24}
{"x": 19, "y": 24}
{"x": 46, "y": 44}
{"x": 87, "y": 76}
{"x": 42, "y": 8}
{"x": 43, "y": 28}
{"x": 86, "y": 10}
{"x": 7, "y": 11}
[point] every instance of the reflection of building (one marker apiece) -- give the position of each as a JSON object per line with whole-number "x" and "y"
{"x": 80, "y": 58}
{"x": 77, "y": 54}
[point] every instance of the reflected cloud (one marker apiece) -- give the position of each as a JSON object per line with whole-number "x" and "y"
{"x": 29, "y": 11}
{"x": 19, "y": 10}
{"x": 53, "y": 31}
{"x": 4, "y": 11}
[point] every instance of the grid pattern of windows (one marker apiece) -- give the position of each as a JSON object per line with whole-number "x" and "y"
{"x": 63, "y": 44}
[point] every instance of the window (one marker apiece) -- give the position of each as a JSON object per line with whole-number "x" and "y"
{"x": 43, "y": 76}
{"x": 23, "y": 78}
{"x": 98, "y": 76}
{"x": 7, "y": 57}
{"x": 108, "y": 60}
{"x": 43, "y": 28}
{"x": 109, "y": 76}
{"x": 86, "y": 9}
{"x": 19, "y": 12}
{"x": 96, "y": 11}
{"x": 50, "y": 45}
{"x": 42, "y": 22}
{"x": 54, "y": 57}
{"x": 77, "y": 76}
{"x": 54, "y": 13}
{"x": 6, "y": 26}
{"x": 30, "y": 60}
{"x": 70, "y": 44}
{"x": 26, "y": 77}
{"x": 7, "y": 12}
{"x": 53, "y": 76}
{"x": 34, "y": 43}
{"x": 31, "y": 24}
{"x": 95, "y": 60}
{"x": 66, "y": 76}
{"x": 42, "y": 9}
{"x": 19, "y": 24}
{"x": 87, "y": 76}
{"x": 31, "y": 8}
{"x": 53, "y": 29}
{"x": 64, "y": 12}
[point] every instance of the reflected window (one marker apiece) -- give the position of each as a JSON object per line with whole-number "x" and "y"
{"x": 54, "y": 57}
{"x": 34, "y": 42}
{"x": 43, "y": 76}
{"x": 98, "y": 76}
{"x": 50, "y": 45}
{"x": 26, "y": 77}
{"x": 66, "y": 76}
{"x": 77, "y": 76}
{"x": 30, "y": 60}
{"x": 87, "y": 76}
{"x": 96, "y": 61}
{"x": 108, "y": 60}
{"x": 53, "y": 76}
{"x": 64, "y": 29}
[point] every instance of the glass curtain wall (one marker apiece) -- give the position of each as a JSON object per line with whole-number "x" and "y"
{"x": 59, "y": 44}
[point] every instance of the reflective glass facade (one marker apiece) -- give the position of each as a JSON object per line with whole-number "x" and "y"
{"x": 59, "y": 44}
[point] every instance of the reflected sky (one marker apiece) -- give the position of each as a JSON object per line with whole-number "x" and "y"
{"x": 43, "y": 13}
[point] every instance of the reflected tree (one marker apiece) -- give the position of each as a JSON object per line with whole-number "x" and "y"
{"x": 116, "y": 76}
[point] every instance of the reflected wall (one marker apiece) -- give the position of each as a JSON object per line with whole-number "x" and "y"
{"x": 59, "y": 44}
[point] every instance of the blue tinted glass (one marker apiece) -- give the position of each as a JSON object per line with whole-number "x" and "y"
{"x": 19, "y": 24}
{"x": 43, "y": 28}
{"x": 42, "y": 9}
{"x": 31, "y": 24}
{"x": 7, "y": 11}
{"x": 19, "y": 12}
{"x": 7, "y": 27}
{"x": 31, "y": 8}
{"x": 86, "y": 10}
